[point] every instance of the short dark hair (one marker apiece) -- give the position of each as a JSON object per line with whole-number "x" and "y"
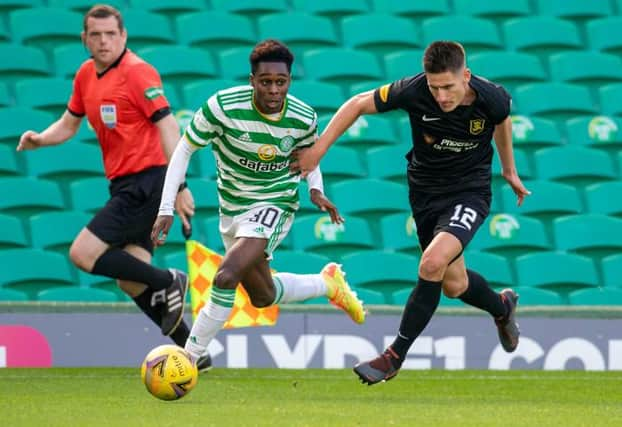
{"x": 103, "y": 11}
{"x": 271, "y": 50}
{"x": 441, "y": 56}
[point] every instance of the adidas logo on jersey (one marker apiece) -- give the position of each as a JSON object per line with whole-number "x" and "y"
{"x": 245, "y": 137}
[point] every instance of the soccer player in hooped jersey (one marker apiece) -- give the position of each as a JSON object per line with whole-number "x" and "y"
{"x": 453, "y": 116}
{"x": 252, "y": 131}
{"x": 122, "y": 97}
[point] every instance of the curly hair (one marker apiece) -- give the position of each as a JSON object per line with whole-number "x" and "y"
{"x": 441, "y": 56}
{"x": 271, "y": 50}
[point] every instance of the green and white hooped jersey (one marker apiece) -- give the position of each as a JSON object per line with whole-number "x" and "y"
{"x": 252, "y": 151}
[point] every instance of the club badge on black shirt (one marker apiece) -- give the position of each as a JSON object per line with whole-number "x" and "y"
{"x": 451, "y": 151}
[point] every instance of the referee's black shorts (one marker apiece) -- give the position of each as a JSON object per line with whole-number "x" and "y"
{"x": 129, "y": 214}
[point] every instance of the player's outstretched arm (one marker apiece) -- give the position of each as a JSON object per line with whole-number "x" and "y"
{"x": 57, "y": 133}
{"x": 503, "y": 140}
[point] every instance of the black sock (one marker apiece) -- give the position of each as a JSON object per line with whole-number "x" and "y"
{"x": 479, "y": 294}
{"x": 417, "y": 313}
{"x": 143, "y": 301}
{"x": 118, "y": 264}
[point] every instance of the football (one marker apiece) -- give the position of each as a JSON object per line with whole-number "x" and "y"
{"x": 168, "y": 372}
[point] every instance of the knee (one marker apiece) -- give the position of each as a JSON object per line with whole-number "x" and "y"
{"x": 432, "y": 266}
{"x": 264, "y": 300}
{"x": 225, "y": 279}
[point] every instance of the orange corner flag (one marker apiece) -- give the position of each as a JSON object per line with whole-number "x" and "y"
{"x": 202, "y": 266}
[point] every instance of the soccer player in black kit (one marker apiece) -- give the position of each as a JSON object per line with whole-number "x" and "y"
{"x": 454, "y": 115}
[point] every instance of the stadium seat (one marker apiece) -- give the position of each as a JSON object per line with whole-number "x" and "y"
{"x": 600, "y": 201}
{"x": 211, "y": 235}
{"x": 532, "y": 133}
{"x": 316, "y": 234}
{"x": 370, "y": 297}
{"x": 602, "y": 132}
{"x": 341, "y": 163}
{"x": 475, "y": 34}
{"x": 65, "y": 162}
{"x": 7, "y": 6}
{"x": 593, "y": 235}
{"x": 325, "y": 98}
{"x": 522, "y": 167}
{"x": 169, "y": 8}
{"x": 8, "y": 162}
{"x": 304, "y": 197}
{"x": 235, "y": 64}
{"x": 82, "y": 6}
{"x": 400, "y": 298}
{"x": 45, "y": 27}
{"x": 575, "y": 10}
{"x": 342, "y": 66}
{"x": 32, "y": 270}
{"x": 331, "y": 8}
{"x": 403, "y": 63}
{"x": 56, "y": 230}
{"x": 140, "y": 26}
{"x": 411, "y": 9}
{"x": 175, "y": 240}
{"x": 17, "y": 120}
{"x": 13, "y": 235}
{"x": 65, "y": 293}
{"x": 558, "y": 271}
{"x": 178, "y": 65}
{"x": 535, "y": 296}
{"x": 26, "y": 61}
{"x": 598, "y": 296}
{"x": 67, "y": 59}
{"x": 298, "y": 262}
{"x": 195, "y": 94}
{"x": 381, "y": 271}
{"x": 366, "y": 132}
{"x": 495, "y": 268}
{"x": 12, "y": 295}
{"x": 367, "y": 86}
{"x": 225, "y": 30}
{"x": 603, "y": 34}
{"x": 592, "y": 69}
{"x": 558, "y": 101}
{"x": 498, "y": 11}
{"x": 509, "y": 69}
{"x": 399, "y": 233}
{"x": 28, "y": 196}
{"x": 299, "y": 30}
{"x": 251, "y": 8}
{"x": 511, "y": 235}
{"x": 577, "y": 165}
{"x": 207, "y": 163}
{"x": 541, "y": 35}
{"x": 612, "y": 271}
{"x": 5, "y": 98}
{"x": 48, "y": 94}
{"x": 175, "y": 259}
{"x": 4, "y": 33}
{"x": 388, "y": 163}
{"x": 205, "y": 196}
{"x": 547, "y": 200}
{"x": 610, "y": 96}
{"x": 379, "y": 33}
{"x": 88, "y": 194}
{"x": 370, "y": 198}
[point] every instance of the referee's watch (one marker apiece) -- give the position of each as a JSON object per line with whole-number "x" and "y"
{"x": 182, "y": 187}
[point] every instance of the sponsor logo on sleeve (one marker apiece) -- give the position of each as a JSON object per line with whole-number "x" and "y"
{"x": 152, "y": 93}
{"x": 384, "y": 92}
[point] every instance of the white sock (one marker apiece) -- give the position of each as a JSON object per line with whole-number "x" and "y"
{"x": 297, "y": 287}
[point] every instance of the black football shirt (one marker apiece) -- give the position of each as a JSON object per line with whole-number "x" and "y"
{"x": 451, "y": 151}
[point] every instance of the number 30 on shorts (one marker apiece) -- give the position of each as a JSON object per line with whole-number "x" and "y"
{"x": 266, "y": 217}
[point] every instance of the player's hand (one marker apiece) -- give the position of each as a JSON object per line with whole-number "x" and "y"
{"x": 304, "y": 161}
{"x": 29, "y": 141}
{"x": 517, "y": 186}
{"x": 184, "y": 205}
{"x": 325, "y": 205}
{"x": 160, "y": 229}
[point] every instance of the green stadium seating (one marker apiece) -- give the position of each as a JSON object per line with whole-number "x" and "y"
{"x": 26, "y": 61}
{"x": 610, "y": 96}
{"x": 548, "y": 199}
{"x": 207, "y": 163}
{"x": 48, "y": 94}
{"x": 601, "y": 200}
{"x": 8, "y": 163}
{"x": 306, "y": 206}
{"x": 169, "y": 8}
{"x": 399, "y": 233}
{"x": 179, "y": 65}
{"x": 379, "y": 33}
{"x": 251, "y": 8}
{"x": 325, "y": 98}
{"x": 511, "y": 235}
{"x": 235, "y": 64}
{"x": 7, "y": 6}
{"x": 388, "y": 163}
{"x": 13, "y": 235}
{"x": 5, "y": 99}
{"x": 588, "y": 68}
{"x": 298, "y": 262}
{"x": 29, "y": 196}
{"x": 598, "y": 296}
{"x": 475, "y": 34}
{"x": 369, "y": 198}
{"x": 366, "y": 132}
{"x": 370, "y": 297}
{"x": 83, "y": 6}
{"x": 17, "y": 120}
{"x": 535, "y": 296}
{"x": 4, "y": 33}
{"x": 541, "y": 35}
{"x": 558, "y": 101}
{"x": 67, "y": 59}
{"x": 341, "y": 163}
{"x": 577, "y": 165}
{"x": 176, "y": 259}
{"x": 576, "y": 10}
{"x": 558, "y": 271}
{"x": 593, "y": 235}
{"x": 411, "y": 9}
{"x": 65, "y": 162}
{"x": 381, "y": 271}
{"x": 140, "y": 26}
{"x": 65, "y": 293}
{"x": 400, "y": 297}
{"x": 175, "y": 241}
{"x": 602, "y": 132}
{"x": 492, "y": 10}
{"x": 57, "y": 230}
{"x": 210, "y": 236}
{"x": 342, "y": 66}
{"x": 316, "y": 234}
{"x": 522, "y": 166}
{"x": 403, "y": 63}
{"x": 32, "y": 270}
{"x": 495, "y": 268}
{"x": 603, "y": 34}
{"x": 532, "y": 133}
{"x": 367, "y": 86}
{"x": 612, "y": 271}
{"x": 195, "y": 94}
{"x": 88, "y": 194}
{"x": 45, "y": 27}
{"x": 102, "y": 282}
{"x": 205, "y": 196}
{"x": 299, "y": 30}
{"x": 509, "y": 69}
{"x": 332, "y": 8}
{"x": 225, "y": 30}
{"x": 12, "y": 295}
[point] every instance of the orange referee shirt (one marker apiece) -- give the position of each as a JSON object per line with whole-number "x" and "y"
{"x": 119, "y": 103}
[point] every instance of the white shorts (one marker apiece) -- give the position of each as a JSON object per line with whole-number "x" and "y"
{"x": 264, "y": 222}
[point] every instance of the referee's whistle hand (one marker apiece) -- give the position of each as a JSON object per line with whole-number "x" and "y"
{"x": 160, "y": 229}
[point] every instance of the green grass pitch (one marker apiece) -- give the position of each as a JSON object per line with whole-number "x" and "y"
{"x": 273, "y": 397}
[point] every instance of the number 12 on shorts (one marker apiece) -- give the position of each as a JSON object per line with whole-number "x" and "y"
{"x": 463, "y": 217}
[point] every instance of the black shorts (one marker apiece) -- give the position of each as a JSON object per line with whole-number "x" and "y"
{"x": 129, "y": 214}
{"x": 460, "y": 214}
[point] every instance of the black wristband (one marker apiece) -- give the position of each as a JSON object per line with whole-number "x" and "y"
{"x": 182, "y": 187}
